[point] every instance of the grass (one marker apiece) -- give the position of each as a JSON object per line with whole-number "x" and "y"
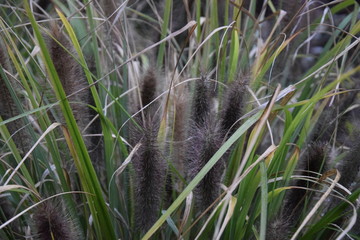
{"x": 126, "y": 153}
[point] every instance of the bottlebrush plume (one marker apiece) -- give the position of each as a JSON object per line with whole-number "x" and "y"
{"x": 204, "y": 139}
{"x": 147, "y": 114}
{"x": 71, "y": 76}
{"x": 149, "y": 88}
{"x": 180, "y": 127}
{"x": 149, "y": 165}
{"x": 234, "y": 105}
{"x": 201, "y": 101}
{"x": 75, "y": 84}
{"x": 278, "y": 229}
{"x": 203, "y": 143}
{"x": 20, "y": 136}
{"x": 8, "y": 108}
{"x": 150, "y": 171}
{"x": 350, "y": 165}
{"x": 176, "y": 147}
{"x": 50, "y": 223}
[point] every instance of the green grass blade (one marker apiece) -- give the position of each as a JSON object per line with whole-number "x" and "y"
{"x": 264, "y": 201}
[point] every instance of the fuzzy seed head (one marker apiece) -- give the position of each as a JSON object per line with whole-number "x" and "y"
{"x": 278, "y": 229}
{"x": 149, "y": 165}
{"x": 51, "y": 223}
{"x": 150, "y": 172}
{"x": 149, "y": 87}
{"x": 204, "y": 139}
{"x": 201, "y": 106}
{"x": 350, "y": 166}
{"x": 8, "y": 108}
{"x": 75, "y": 84}
{"x": 234, "y": 105}
{"x": 71, "y": 76}
{"x": 203, "y": 143}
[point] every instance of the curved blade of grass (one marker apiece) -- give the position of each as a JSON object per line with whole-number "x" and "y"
{"x": 27, "y": 113}
{"x": 330, "y": 216}
{"x": 20, "y": 164}
{"x": 258, "y": 130}
{"x": 14, "y": 187}
{"x": 262, "y": 64}
{"x": 317, "y": 205}
{"x": 289, "y": 169}
{"x": 4, "y": 132}
{"x": 172, "y": 225}
{"x": 185, "y": 218}
{"x": 305, "y": 110}
{"x": 339, "y": 50}
{"x": 124, "y": 164}
{"x": 228, "y": 216}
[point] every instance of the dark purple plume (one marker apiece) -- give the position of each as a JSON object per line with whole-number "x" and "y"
{"x": 234, "y": 105}
{"x": 148, "y": 162}
{"x": 77, "y": 89}
{"x": 50, "y": 223}
{"x": 8, "y": 108}
{"x": 204, "y": 139}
